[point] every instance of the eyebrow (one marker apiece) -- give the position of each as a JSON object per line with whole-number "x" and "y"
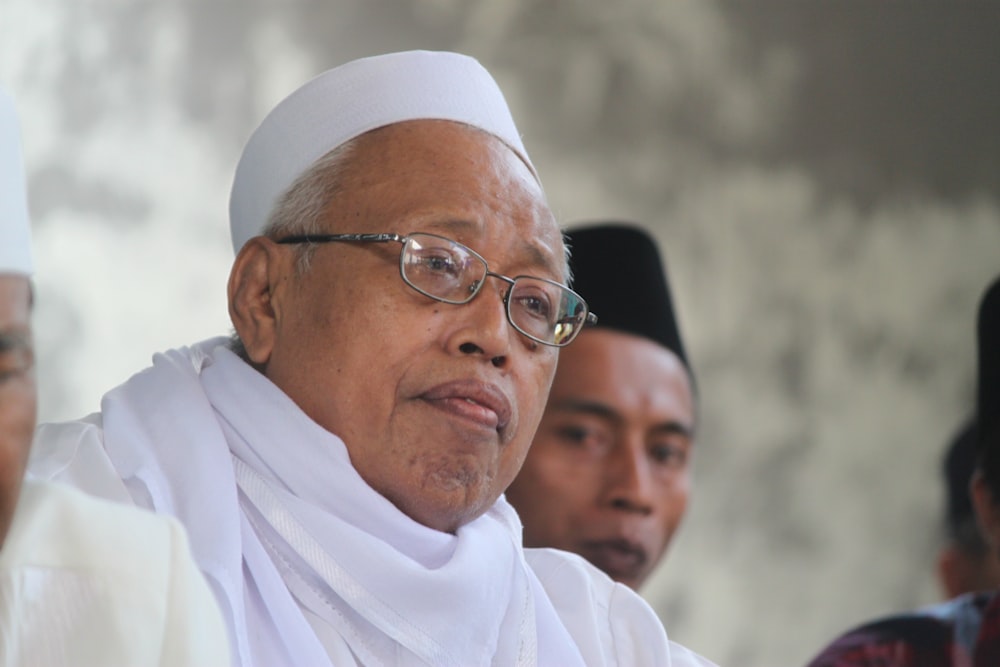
{"x": 604, "y": 411}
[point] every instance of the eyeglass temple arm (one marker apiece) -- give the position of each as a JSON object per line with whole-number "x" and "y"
{"x": 334, "y": 238}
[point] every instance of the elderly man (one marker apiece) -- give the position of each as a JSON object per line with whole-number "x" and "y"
{"x": 399, "y": 300}
{"x": 609, "y": 472}
{"x": 83, "y": 582}
{"x": 965, "y": 631}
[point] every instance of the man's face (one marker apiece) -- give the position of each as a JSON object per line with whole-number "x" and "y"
{"x": 17, "y": 391}
{"x": 608, "y": 474}
{"x": 437, "y": 403}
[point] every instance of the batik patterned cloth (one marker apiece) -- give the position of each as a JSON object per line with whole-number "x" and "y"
{"x": 964, "y": 632}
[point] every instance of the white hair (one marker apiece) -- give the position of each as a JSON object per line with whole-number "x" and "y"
{"x": 301, "y": 209}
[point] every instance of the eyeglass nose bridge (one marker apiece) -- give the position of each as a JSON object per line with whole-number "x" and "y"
{"x": 477, "y": 285}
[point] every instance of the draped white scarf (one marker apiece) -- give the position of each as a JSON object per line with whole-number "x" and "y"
{"x": 313, "y": 536}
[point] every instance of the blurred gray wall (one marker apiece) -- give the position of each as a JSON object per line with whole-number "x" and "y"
{"x": 824, "y": 179}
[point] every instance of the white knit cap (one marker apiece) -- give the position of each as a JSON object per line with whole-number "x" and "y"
{"x": 348, "y": 101}
{"x": 15, "y": 230}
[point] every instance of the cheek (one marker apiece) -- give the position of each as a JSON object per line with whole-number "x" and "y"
{"x": 17, "y": 422}
{"x": 532, "y": 391}
{"x": 543, "y": 469}
{"x": 535, "y": 388}
{"x": 350, "y": 335}
{"x": 550, "y": 502}
{"x": 674, "y": 499}
{"x": 557, "y": 477}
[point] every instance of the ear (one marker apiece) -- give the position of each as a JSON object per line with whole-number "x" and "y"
{"x": 260, "y": 268}
{"x": 987, "y": 510}
{"x": 950, "y": 571}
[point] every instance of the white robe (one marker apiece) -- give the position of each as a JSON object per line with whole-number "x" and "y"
{"x": 311, "y": 566}
{"x": 88, "y": 583}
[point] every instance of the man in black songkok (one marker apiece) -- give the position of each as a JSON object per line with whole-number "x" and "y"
{"x": 609, "y": 471}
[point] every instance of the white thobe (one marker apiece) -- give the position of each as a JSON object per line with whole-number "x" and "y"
{"x": 311, "y": 566}
{"x": 88, "y": 583}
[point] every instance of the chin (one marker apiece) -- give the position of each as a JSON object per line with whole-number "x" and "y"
{"x": 445, "y": 504}
{"x": 446, "y": 520}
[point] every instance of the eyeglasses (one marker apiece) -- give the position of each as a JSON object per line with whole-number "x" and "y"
{"x": 445, "y": 270}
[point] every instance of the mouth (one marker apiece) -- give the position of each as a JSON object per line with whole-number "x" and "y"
{"x": 481, "y": 403}
{"x": 621, "y": 559}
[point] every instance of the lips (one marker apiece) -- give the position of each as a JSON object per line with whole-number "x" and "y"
{"x": 479, "y": 402}
{"x": 619, "y": 558}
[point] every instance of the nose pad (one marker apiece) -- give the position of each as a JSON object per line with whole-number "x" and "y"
{"x": 478, "y": 285}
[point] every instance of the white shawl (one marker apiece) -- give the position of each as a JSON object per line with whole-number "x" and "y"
{"x": 311, "y": 566}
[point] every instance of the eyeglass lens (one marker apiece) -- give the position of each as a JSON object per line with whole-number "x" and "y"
{"x": 448, "y": 271}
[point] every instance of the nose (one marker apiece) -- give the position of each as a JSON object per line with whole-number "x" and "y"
{"x": 628, "y": 484}
{"x": 485, "y": 330}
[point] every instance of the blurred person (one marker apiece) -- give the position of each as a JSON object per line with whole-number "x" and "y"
{"x": 82, "y": 581}
{"x": 965, "y": 631}
{"x": 965, "y": 562}
{"x": 399, "y": 302}
{"x": 609, "y": 471}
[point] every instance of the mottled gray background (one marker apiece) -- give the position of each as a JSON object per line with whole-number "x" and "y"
{"x": 824, "y": 178}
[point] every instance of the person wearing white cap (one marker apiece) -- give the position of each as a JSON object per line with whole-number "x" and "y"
{"x": 83, "y": 581}
{"x": 399, "y": 299}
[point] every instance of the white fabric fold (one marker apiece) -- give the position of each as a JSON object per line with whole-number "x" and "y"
{"x": 311, "y": 566}
{"x": 163, "y": 437}
{"x": 421, "y": 589}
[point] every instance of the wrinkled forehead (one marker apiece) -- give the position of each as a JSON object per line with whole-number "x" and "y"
{"x": 453, "y": 180}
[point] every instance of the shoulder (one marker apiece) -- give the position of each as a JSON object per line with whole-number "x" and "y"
{"x": 86, "y": 452}
{"x": 932, "y": 635}
{"x": 604, "y": 617}
{"x": 55, "y": 444}
{"x": 104, "y": 582}
{"x": 73, "y": 453}
{"x": 571, "y": 580}
{"x": 60, "y": 527}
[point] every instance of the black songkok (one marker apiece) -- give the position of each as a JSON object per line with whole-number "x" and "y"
{"x": 617, "y": 269}
{"x": 988, "y": 387}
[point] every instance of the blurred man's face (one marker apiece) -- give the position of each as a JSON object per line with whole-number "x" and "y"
{"x": 17, "y": 391}
{"x": 609, "y": 472}
{"x": 962, "y": 569}
{"x": 437, "y": 403}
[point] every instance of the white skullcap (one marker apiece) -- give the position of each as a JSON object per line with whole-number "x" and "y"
{"x": 15, "y": 230}
{"x": 348, "y": 101}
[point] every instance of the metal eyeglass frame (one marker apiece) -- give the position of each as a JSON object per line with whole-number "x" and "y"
{"x": 589, "y": 320}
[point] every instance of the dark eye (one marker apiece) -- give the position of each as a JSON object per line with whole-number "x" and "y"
{"x": 437, "y": 262}
{"x": 533, "y": 300}
{"x": 668, "y": 454}
{"x": 15, "y": 363}
{"x": 586, "y": 440}
{"x": 574, "y": 434}
{"x": 437, "y": 271}
{"x": 536, "y": 306}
